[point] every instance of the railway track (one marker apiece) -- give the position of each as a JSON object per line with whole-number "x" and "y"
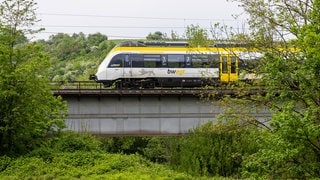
{"x": 79, "y": 88}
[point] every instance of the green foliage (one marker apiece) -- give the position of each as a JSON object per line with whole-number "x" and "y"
{"x": 197, "y": 37}
{"x": 75, "y": 57}
{"x": 156, "y": 149}
{"x": 291, "y": 70}
{"x": 125, "y": 145}
{"x": 215, "y": 149}
{"x": 70, "y": 142}
{"x": 66, "y": 141}
{"x": 156, "y": 36}
{"x": 4, "y": 162}
{"x": 74, "y": 155}
{"x": 88, "y": 165}
{"x": 28, "y": 110}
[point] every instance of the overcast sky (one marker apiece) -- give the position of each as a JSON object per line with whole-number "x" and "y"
{"x": 133, "y": 18}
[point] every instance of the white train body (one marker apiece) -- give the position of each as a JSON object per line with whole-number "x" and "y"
{"x": 134, "y": 65}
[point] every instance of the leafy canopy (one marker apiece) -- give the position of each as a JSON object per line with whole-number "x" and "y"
{"x": 288, "y": 32}
{"x": 28, "y": 109}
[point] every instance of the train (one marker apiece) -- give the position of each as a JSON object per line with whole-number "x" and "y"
{"x": 175, "y": 64}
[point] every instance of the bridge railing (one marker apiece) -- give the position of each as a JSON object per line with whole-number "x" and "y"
{"x": 59, "y": 85}
{"x": 93, "y": 88}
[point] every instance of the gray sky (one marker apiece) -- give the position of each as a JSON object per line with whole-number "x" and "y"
{"x": 133, "y": 18}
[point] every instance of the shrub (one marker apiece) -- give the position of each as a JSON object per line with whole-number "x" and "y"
{"x": 88, "y": 165}
{"x": 215, "y": 149}
{"x": 71, "y": 141}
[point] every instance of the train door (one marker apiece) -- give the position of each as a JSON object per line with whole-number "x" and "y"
{"x": 228, "y": 68}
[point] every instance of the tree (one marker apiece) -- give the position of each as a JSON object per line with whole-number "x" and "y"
{"x": 156, "y": 36}
{"x": 28, "y": 109}
{"x": 197, "y": 36}
{"x": 288, "y": 33}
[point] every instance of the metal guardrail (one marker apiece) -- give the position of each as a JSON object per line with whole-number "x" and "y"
{"x": 93, "y": 88}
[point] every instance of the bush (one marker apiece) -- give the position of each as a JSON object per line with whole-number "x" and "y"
{"x": 88, "y": 165}
{"x": 70, "y": 141}
{"x": 125, "y": 145}
{"x": 4, "y": 162}
{"x": 215, "y": 150}
{"x": 158, "y": 149}
{"x": 67, "y": 141}
{"x": 155, "y": 149}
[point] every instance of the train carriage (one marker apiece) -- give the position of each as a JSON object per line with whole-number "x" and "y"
{"x": 168, "y": 64}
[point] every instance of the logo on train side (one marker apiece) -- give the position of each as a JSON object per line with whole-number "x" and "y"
{"x": 176, "y": 71}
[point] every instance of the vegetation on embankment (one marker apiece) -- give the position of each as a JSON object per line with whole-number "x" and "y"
{"x": 210, "y": 151}
{"x": 71, "y": 156}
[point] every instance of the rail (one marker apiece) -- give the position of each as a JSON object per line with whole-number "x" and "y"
{"x": 92, "y": 88}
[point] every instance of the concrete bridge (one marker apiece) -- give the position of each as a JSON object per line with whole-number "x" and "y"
{"x": 139, "y": 112}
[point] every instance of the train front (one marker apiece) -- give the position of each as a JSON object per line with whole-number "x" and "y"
{"x": 101, "y": 75}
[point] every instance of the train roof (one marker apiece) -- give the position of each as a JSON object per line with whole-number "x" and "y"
{"x": 174, "y": 44}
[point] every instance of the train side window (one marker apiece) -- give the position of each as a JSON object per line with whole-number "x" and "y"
{"x": 176, "y": 61}
{"x": 151, "y": 60}
{"x": 200, "y": 61}
{"x": 248, "y": 64}
{"x": 137, "y": 60}
{"x": 196, "y": 62}
{"x": 117, "y": 61}
{"x": 214, "y": 60}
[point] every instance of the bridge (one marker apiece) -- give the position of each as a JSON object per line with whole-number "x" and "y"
{"x": 162, "y": 111}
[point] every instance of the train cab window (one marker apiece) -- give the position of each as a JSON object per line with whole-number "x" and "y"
{"x": 117, "y": 61}
{"x": 151, "y": 60}
{"x": 176, "y": 61}
{"x": 127, "y": 61}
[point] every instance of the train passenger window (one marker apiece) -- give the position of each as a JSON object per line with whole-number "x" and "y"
{"x": 248, "y": 64}
{"x": 137, "y": 60}
{"x": 200, "y": 61}
{"x": 151, "y": 60}
{"x": 214, "y": 60}
{"x": 196, "y": 62}
{"x": 117, "y": 61}
{"x": 176, "y": 61}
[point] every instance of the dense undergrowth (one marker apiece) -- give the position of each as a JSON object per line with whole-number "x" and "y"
{"x": 211, "y": 151}
{"x": 204, "y": 154}
{"x": 73, "y": 156}
{"x": 85, "y": 165}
